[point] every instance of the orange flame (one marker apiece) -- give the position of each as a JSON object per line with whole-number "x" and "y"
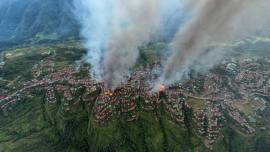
{"x": 161, "y": 88}
{"x": 109, "y": 93}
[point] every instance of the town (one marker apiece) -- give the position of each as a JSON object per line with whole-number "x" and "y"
{"x": 240, "y": 91}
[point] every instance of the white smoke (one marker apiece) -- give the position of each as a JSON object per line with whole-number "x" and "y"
{"x": 114, "y": 30}
{"x": 95, "y": 18}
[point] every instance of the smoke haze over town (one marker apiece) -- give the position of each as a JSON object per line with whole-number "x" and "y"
{"x": 118, "y": 28}
{"x": 134, "y": 75}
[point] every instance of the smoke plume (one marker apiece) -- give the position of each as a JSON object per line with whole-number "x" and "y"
{"x": 133, "y": 23}
{"x": 95, "y": 17}
{"x": 212, "y": 21}
{"x": 114, "y": 30}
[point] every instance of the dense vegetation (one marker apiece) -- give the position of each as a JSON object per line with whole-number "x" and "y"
{"x": 36, "y": 125}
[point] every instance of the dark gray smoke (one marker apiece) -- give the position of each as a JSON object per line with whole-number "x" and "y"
{"x": 213, "y": 22}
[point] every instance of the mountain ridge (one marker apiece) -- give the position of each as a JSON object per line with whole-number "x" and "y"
{"x": 23, "y": 21}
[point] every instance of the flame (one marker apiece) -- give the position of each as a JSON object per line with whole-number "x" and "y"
{"x": 161, "y": 88}
{"x": 109, "y": 93}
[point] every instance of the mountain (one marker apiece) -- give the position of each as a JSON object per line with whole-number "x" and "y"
{"x": 38, "y": 21}
{"x": 41, "y": 20}
{"x": 51, "y": 109}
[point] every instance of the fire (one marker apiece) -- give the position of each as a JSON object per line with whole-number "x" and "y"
{"x": 109, "y": 93}
{"x": 161, "y": 88}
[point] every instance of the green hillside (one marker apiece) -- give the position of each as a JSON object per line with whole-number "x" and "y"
{"x": 34, "y": 124}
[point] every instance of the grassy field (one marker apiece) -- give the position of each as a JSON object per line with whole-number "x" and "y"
{"x": 196, "y": 103}
{"x": 245, "y": 108}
